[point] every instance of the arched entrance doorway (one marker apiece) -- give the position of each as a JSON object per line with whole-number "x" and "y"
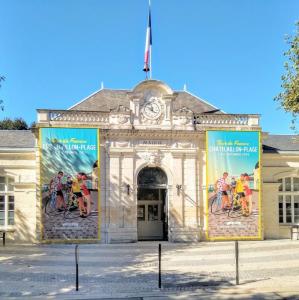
{"x": 152, "y": 204}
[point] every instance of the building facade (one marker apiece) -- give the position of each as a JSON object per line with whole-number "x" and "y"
{"x": 149, "y": 176}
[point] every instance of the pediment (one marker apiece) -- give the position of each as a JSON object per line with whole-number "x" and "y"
{"x": 183, "y": 110}
{"x": 156, "y": 88}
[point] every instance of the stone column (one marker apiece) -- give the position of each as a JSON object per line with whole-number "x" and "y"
{"x": 168, "y": 109}
{"x": 25, "y": 213}
{"x": 176, "y": 205}
{"x": 102, "y": 189}
{"x": 136, "y": 111}
{"x": 113, "y": 198}
{"x": 189, "y": 195}
{"x": 270, "y": 214}
{"x": 202, "y": 191}
{"x": 114, "y": 190}
{"x": 121, "y": 200}
{"x": 38, "y": 206}
{"x": 128, "y": 199}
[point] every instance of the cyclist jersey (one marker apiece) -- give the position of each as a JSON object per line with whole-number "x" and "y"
{"x": 248, "y": 191}
{"x": 76, "y": 186}
{"x": 239, "y": 186}
{"x": 85, "y": 190}
{"x": 221, "y": 185}
{"x": 56, "y": 184}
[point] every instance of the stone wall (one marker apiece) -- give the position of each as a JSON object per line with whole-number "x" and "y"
{"x": 22, "y": 167}
{"x": 275, "y": 166}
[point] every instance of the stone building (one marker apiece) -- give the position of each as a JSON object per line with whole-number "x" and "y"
{"x": 18, "y": 208}
{"x": 280, "y": 175}
{"x": 152, "y": 182}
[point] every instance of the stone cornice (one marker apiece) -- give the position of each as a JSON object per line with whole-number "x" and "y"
{"x": 151, "y": 134}
{"x": 16, "y": 151}
{"x": 20, "y": 185}
{"x": 281, "y": 154}
{"x": 18, "y": 166}
{"x": 271, "y": 184}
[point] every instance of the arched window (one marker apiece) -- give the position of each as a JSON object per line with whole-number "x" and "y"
{"x": 148, "y": 177}
{"x": 7, "y": 201}
{"x": 288, "y": 198}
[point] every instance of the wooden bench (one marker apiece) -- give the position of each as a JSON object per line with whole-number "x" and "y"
{"x": 4, "y": 231}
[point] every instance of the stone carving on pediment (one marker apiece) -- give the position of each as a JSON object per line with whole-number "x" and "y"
{"x": 152, "y": 159}
{"x": 182, "y": 120}
{"x": 119, "y": 119}
{"x": 183, "y": 116}
{"x": 184, "y": 145}
{"x": 184, "y": 110}
{"x": 122, "y": 108}
{"x": 122, "y": 144}
{"x": 147, "y": 94}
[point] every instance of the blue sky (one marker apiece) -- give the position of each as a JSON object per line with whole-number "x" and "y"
{"x": 56, "y": 52}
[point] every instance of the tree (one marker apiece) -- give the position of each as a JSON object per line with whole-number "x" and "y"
{"x": 16, "y": 124}
{"x": 2, "y": 78}
{"x": 289, "y": 97}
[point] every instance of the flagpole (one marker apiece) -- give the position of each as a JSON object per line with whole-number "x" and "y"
{"x": 148, "y": 47}
{"x": 149, "y": 4}
{"x": 151, "y": 62}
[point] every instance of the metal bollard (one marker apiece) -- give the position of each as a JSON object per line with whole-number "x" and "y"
{"x": 77, "y": 267}
{"x": 159, "y": 266}
{"x": 237, "y": 261}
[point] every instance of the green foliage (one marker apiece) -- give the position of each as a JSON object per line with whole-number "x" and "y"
{"x": 289, "y": 97}
{"x": 2, "y": 78}
{"x": 16, "y": 124}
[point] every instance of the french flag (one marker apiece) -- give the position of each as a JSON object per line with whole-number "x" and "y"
{"x": 148, "y": 43}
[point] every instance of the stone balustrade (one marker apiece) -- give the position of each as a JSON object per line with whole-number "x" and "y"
{"x": 226, "y": 120}
{"x": 108, "y": 120}
{"x": 90, "y": 118}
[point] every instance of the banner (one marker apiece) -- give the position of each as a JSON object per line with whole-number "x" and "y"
{"x": 233, "y": 209}
{"x": 69, "y": 183}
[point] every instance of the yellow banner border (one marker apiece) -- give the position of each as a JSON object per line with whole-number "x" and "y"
{"x": 234, "y": 238}
{"x": 49, "y": 241}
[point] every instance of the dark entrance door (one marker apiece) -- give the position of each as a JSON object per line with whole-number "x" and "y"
{"x": 152, "y": 204}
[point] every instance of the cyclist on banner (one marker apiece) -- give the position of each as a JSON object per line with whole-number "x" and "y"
{"x": 56, "y": 192}
{"x": 76, "y": 189}
{"x": 86, "y": 193}
{"x": 221, "y": 187}
{"x": 248, "y": 194}
{"x": 233, "y": 194}
{"x": 241, "y": 193}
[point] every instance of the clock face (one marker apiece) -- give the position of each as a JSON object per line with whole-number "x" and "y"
{"x": 152, "y": 110}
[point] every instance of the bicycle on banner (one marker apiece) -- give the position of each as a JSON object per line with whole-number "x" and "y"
{"x": 233, "y": 198}
{"x": 69, "y": 196}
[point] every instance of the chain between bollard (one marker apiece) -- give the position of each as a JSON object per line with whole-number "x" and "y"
{"x": 237, "y": 261}
{"x": 77, "y": 266}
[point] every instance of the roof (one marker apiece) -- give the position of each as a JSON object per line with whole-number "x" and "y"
{"x": 280, "y": 142}
{"x": 16, "y": 139}
{"x": 104, "y": 100}
{"x": 107, "y": 100}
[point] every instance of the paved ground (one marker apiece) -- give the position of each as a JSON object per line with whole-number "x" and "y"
{"x": 56, "y": 223}
{"x": 232, "y": 223}
{"x": 268, "y": 270}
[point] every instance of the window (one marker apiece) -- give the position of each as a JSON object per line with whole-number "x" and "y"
{"x": 7, "y": 202}
{"x": 288, "y": 200}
